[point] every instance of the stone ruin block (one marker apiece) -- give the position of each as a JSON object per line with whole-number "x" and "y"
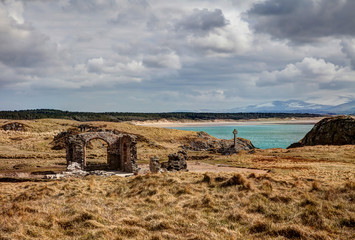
{"x": 177, "y": 161}
{"x": 154, "y": 165}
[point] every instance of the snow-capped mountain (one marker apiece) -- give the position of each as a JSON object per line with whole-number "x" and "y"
{"x": 345, "y": 108}
{"x": 298, "y": 106}
{"x": 289, "y": 106}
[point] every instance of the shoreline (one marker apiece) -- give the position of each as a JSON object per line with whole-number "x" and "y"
{"x": 224, "y": 122}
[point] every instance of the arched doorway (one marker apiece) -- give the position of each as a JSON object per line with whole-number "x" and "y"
{"x": 96, "y": 154}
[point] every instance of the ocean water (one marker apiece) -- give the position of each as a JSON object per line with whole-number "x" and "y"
{"x": 262, "y": 136}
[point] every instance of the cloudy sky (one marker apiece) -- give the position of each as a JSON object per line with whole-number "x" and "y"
{"x": 158, "y": 55}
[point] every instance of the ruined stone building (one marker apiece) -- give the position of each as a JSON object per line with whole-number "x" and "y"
{"x": 121, "y": 150}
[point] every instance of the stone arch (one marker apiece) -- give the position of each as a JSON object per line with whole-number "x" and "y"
{"x": 100, "y": 166}
{"x": 121, "y": 150}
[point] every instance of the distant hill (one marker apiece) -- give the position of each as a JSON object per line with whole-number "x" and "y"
{"x": 290, "y": 106}
{"x": 294, "y": 106}
{"x": 346, "y": 108}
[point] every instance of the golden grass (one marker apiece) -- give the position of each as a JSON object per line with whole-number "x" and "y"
{"x": 309, "y": 193}
{"x": 177, "y": 206}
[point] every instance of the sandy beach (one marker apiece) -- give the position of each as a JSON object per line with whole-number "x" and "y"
{"x": 223, "y": 122}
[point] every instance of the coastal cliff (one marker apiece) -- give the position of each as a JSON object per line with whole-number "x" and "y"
{"x": 330, "y": 131}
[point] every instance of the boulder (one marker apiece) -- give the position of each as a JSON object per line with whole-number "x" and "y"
{"x": 330, "y": 131}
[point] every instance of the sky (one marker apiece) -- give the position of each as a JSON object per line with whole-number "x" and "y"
{"x": 160, "y": 56}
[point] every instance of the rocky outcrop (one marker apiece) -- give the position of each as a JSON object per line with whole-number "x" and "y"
{"x": 205, "y": 142}
{"x": 14, "y": 126}
{"x": 330, "y": 131}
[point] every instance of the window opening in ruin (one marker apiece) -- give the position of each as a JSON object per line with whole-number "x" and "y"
{"x": 96, "y": 154}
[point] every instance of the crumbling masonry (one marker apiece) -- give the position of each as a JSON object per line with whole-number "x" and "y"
{"x": 121, "y": 150}
{"x": 176, "y": 162}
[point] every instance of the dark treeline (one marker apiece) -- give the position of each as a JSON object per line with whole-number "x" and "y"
{"x": 121, "y": 116}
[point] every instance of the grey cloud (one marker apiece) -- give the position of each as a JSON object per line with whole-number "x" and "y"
{"x": 88, "y": 5}
{"x": 8, "y": 76}
{"x": 348, "y": 48}
{"x": 303, "y": 20}
{"x": 337, "y": 85}
{"x": 132, "y": 13}
{"x": 202, "y": 21}
{"x": 163, "y": 60}
{"x": 25, "y": 54}
{"x": 95, "y": 65}
{"x": 274, "y": 7}
{"x": 20, "y": 45}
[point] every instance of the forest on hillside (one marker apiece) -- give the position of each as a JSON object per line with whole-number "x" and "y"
{"x": 127, "y": 116}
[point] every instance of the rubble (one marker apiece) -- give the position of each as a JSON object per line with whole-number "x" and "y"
{"x": 82, "y": 173}
{"x": 74, "y": 170}
{"x": 154, "y": 165}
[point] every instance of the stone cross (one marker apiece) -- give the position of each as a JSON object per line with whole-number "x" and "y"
{"x": 235, "y": 132}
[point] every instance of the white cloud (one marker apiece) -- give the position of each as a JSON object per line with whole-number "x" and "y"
{"x": 15, "y": 10}
{"x": 308, "y": 71}
{"x": 203, "y": 96}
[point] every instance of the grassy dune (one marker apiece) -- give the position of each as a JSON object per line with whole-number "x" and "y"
{"x": 309, "y": 193}
{"x": 177, "y": 206}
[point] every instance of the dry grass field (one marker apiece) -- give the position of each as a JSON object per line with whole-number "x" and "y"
{"x": 308, "y": 193}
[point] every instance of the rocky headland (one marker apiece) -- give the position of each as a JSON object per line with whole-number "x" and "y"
{"x": 330, "y": 131}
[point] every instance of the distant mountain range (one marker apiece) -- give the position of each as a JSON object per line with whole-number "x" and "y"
{"x": 291, "y": 106}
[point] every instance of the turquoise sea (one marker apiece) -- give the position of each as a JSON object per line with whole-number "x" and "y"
{"x": 262, "y": 136}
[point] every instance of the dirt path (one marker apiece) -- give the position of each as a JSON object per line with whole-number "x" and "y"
{"x": 198, "y": 167}
{"x": 201, "y": 167}
{"x": 205, "y": 167}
